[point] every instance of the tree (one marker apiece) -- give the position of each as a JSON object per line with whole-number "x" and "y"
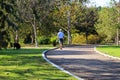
{"x": 117, "y": 6}
{"x": 108, "y": 25}
{"x": 39, "y": 15}
{"x": 86, "y": 21}
{"x": 105, "y": 27}
{"x": 7, "y": 12}
{"x": 66, "y": 14}
{"x": 27, "y": 11}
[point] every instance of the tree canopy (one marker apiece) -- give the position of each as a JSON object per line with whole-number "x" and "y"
{"x": 27, "y": 21}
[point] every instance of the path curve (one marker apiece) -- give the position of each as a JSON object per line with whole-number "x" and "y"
{"x": 86, "y": 63}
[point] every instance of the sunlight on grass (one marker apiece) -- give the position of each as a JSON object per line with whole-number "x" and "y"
{"x": 28, "y": 64}
{"x": 110, "y": 50}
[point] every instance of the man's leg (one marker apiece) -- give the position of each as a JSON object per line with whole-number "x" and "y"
{"x": 60, "y": 43}
{"x": 61, "y": 46}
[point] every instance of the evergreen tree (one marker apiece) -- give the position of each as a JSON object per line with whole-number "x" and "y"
{"x": 7, "y": 11}
{"x": 86, "y": 21}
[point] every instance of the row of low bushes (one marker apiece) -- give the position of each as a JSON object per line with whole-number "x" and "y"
{"x": 47, "y": 40}
{"x": 41, "y": 40}
{"x": 76, "y": 39}
{"x": 81, "y": 39}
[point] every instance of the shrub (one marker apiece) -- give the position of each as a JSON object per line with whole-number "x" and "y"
{"x": 4, "y": 44}
{"x": 44, "y": 40}
{"x": 53, "y": 39}
{"x": 93, "y": 39}
{"x": 28, "y": 39}
{"x": 78, "y": 39}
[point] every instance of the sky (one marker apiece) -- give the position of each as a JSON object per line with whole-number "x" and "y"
{"x": 101, "y": 2}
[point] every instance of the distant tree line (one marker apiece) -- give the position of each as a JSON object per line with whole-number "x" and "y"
{"x": 38, "y": 21}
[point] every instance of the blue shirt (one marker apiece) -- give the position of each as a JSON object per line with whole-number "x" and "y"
{"x": 60, "y": 35}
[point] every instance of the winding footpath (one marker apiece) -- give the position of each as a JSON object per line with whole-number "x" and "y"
{"x": 86, "y": 63}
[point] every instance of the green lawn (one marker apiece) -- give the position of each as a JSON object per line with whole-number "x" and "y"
{"x": 28, "y": 64}
{"x": 110, "y": 50}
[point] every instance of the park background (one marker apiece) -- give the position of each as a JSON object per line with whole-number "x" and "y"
{"x": 36, "y": 22}
{"x": 34, "y": 25}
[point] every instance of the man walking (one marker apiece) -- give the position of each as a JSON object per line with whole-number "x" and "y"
{"x": 60, "y": 38}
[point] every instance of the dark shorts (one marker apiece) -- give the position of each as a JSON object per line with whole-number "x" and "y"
{"x": 61, "y": 41}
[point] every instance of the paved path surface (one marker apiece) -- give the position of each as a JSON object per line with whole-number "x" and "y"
{"x": 85, "y": 63}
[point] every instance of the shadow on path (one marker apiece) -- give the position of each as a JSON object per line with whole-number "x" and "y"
{"x": 84, "y": 62}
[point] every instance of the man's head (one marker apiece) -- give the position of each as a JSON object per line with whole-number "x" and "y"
{"x": 60, "y": 30}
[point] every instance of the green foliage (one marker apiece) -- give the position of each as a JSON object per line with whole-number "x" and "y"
{"x": 53, "y": 39}
{"x": 45, "y": 17}
{"x": 106, "y": 24}
{"x": 93, "y": 39}
{"x": 86, "y": 20}
{"x": 7, "y": 19}
{"x": 81, "y": 39}
{"x": 78, "y": 39}
{"x": 44, "y": 40}
{"x": 28, "y": 39}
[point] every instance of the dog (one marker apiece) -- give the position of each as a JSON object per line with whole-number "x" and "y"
{"x": 15, "y": 45}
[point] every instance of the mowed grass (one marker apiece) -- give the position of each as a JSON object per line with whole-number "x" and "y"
{"x": 28, "y": 64}
{"x": 110, "y": 50}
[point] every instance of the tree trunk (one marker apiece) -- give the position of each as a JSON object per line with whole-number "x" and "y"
{"x": 16, "y": 37}
{"x": 69, "y": 34}
{"x": 35, "y": 32}
{"x": 69, "y": 37}
{"x": 86, "y": 36}
{"x": 33, "y": 39}
{"x": 117, "y": 39}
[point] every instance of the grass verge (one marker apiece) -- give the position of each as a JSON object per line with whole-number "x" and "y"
{"x": 110, "y": 50}
{"x": 28, "y": 64}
